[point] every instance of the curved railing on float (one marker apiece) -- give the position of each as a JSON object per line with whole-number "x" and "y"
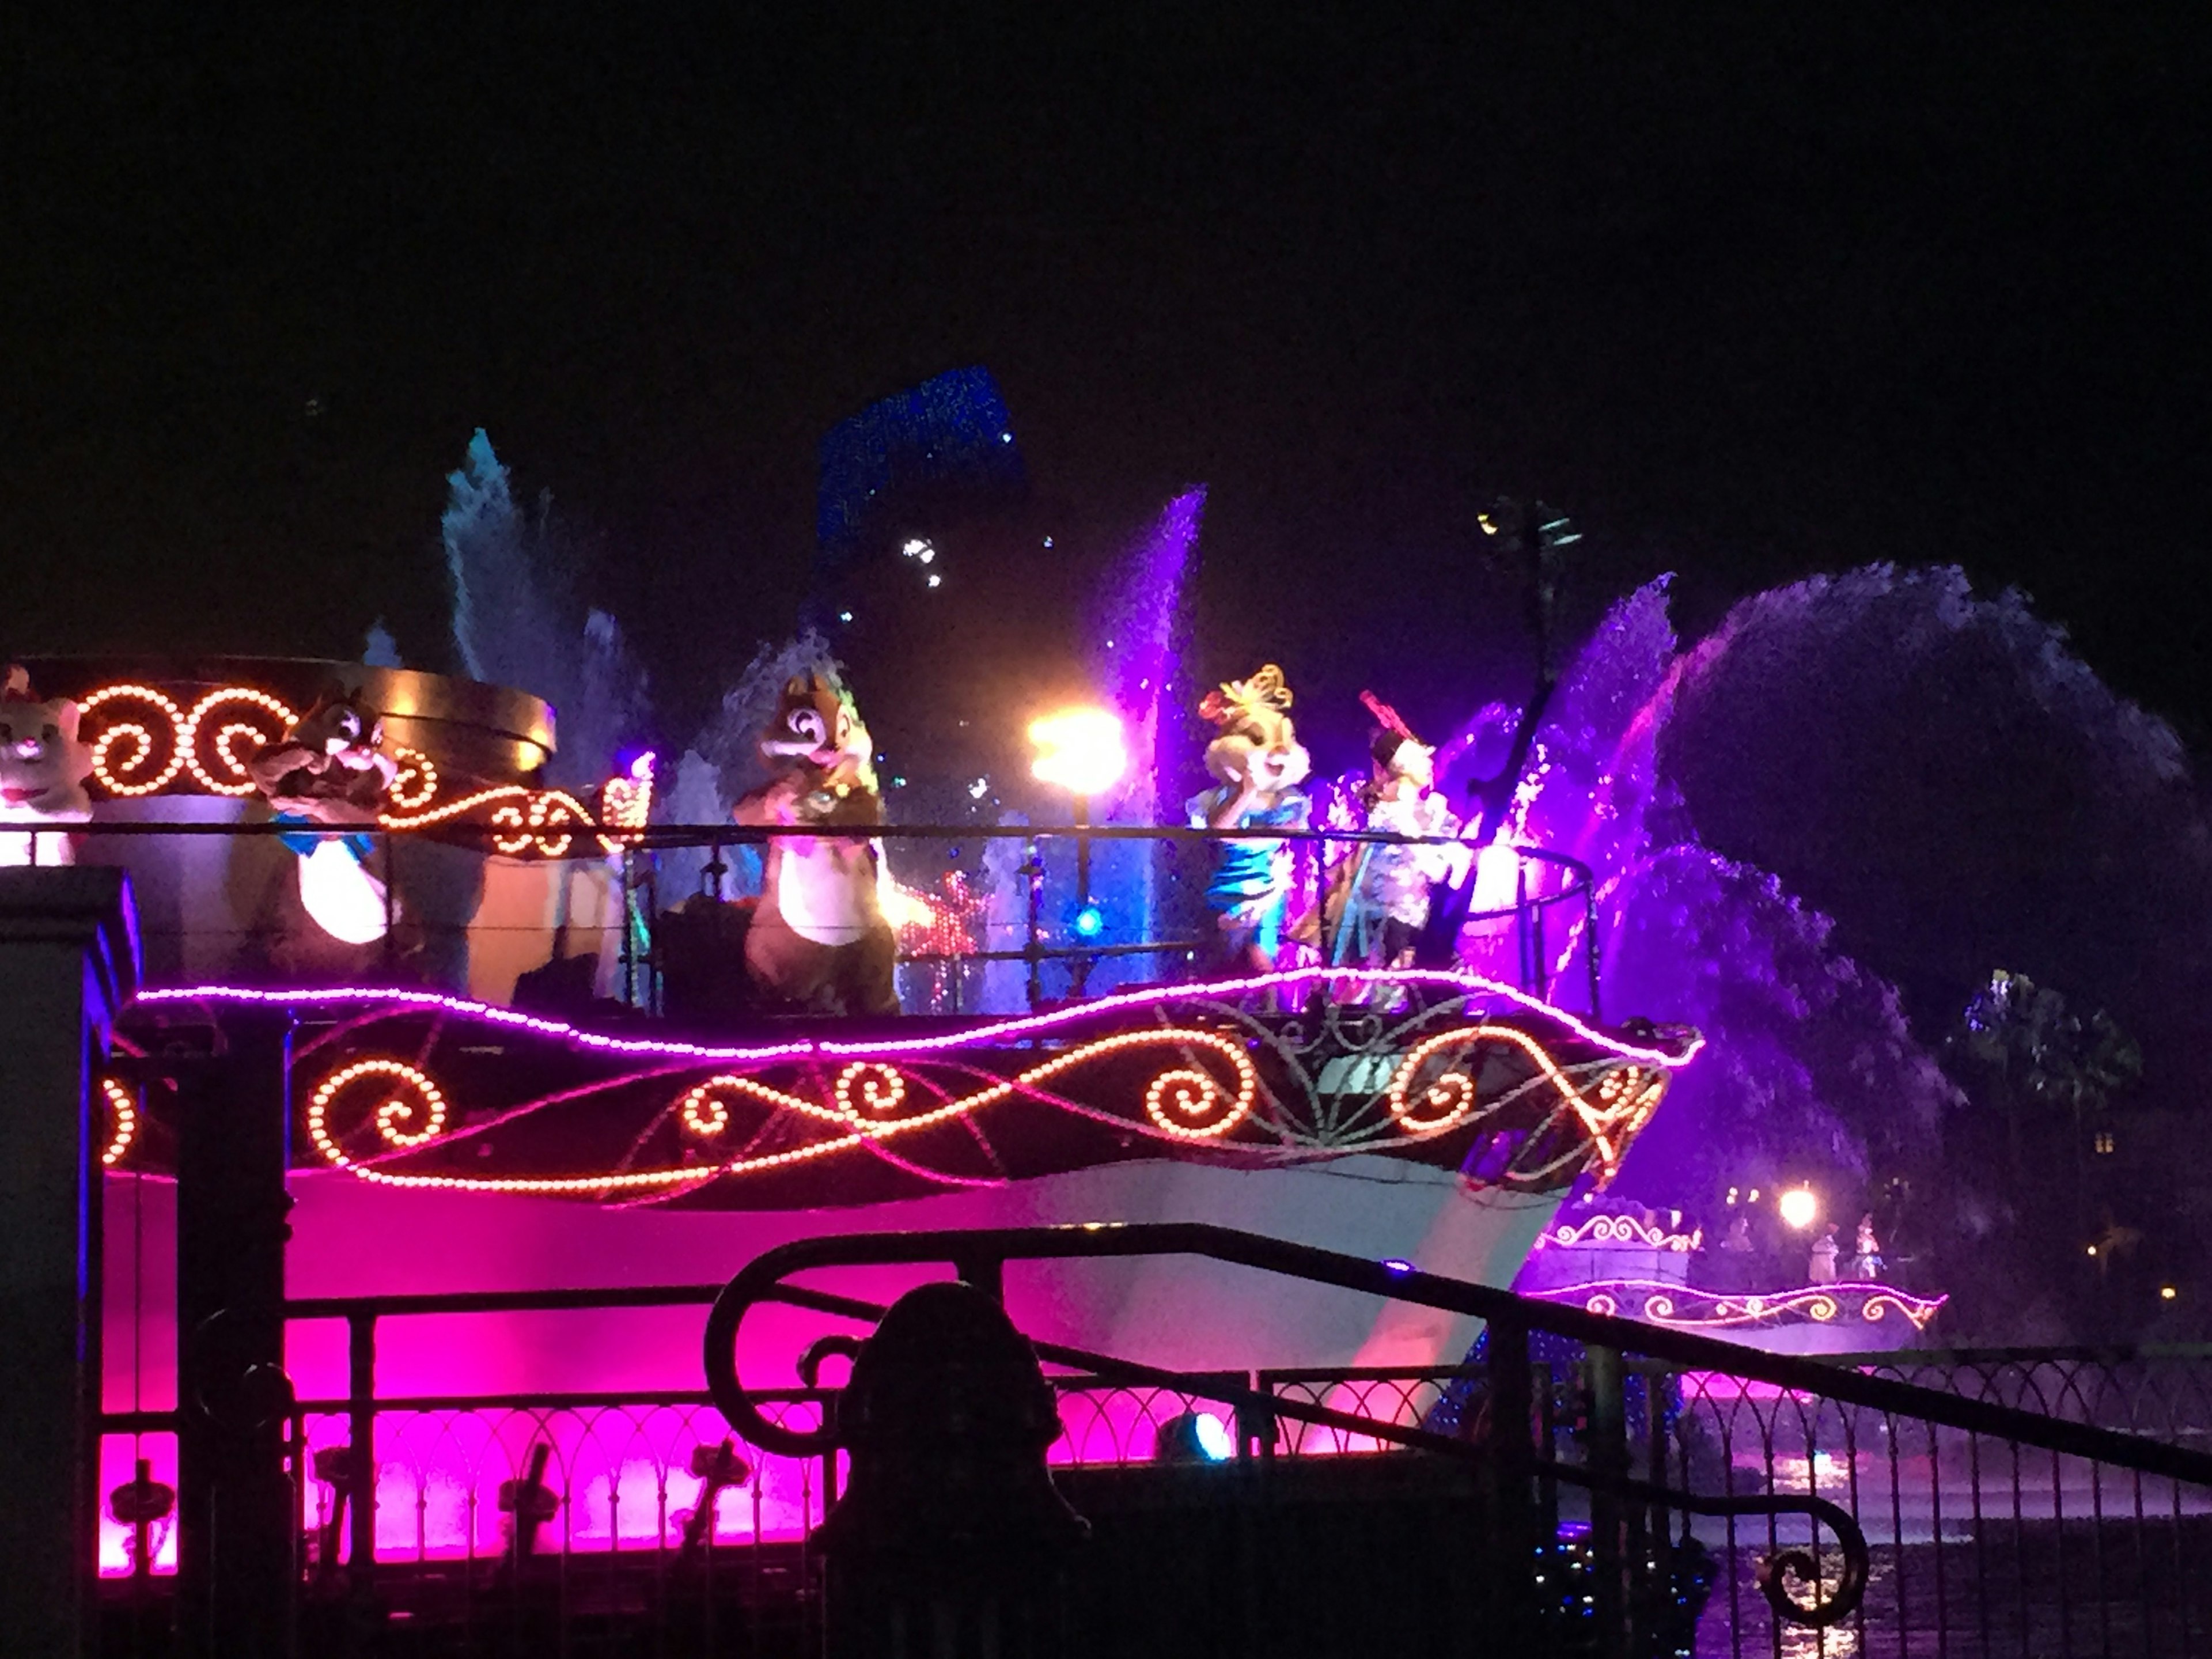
{"x": 212, "y": 892}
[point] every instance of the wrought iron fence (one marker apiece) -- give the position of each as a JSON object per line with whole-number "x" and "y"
{"x": 1688, "y": 1496}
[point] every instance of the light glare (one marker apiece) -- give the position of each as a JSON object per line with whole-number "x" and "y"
{"x": 1079, "y": 750}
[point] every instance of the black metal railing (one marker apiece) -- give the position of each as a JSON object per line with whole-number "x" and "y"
{"x": 1727, "y": 1441}
{"x": 978, "y": 898}
{"x": 1675, "y": 1492}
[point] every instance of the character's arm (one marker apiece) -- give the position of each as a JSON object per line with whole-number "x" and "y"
{"x": 772, "y": 803}
{"x": 1229, "y": 812}
{"x": 271, "y": 766}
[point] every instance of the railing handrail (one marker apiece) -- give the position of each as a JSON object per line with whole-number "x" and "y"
{"x": 430, "y": 1303}
{"x": 981, "y": 1253}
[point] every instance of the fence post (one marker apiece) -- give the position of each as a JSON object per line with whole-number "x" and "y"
{"x": 1512, "y": 1470}
{"x": 360, "y": 1461}
{"x": 69, "y": 960}
{"x": 1033, "y": 950}
{"x": 235, "y": 1584}
{"x": 1609, "y": 1457}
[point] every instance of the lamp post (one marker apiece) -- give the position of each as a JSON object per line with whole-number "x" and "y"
{"x": 1080, "y": 750}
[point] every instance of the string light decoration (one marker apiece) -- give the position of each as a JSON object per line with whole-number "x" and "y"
{"x": 626, "y": 803}
{"x": 415, "y": 785}
{"x": 143, "y": 743}
{"x": 235, "y": 780}
{"x": 1289, "y": 982}
{"x": 1626, "y": 1096}
{"x": 863, "y": 1101}
{"x": 1686, "y": 1308}
{"x": 128, "y": 774}
{"x": 545, "y": 821}
{"x": 122, "y": 1110}
{"x": 1208, "y": 1092}
{"x": 1617, "y": 1232}
{"x": 393, "y": 1116}
{"x": 1539, "y": 1119}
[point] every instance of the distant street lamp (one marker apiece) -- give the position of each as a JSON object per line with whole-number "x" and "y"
{"x": 1081, "y": 751}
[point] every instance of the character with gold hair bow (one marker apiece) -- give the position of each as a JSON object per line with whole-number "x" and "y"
{"x": 1258, "y": 764}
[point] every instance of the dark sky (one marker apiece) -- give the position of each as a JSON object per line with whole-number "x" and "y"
{"x": 1753, "y": 298}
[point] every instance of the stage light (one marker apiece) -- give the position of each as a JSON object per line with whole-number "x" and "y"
{"x": 2167, "y": 1293}
{"x": 1079, "y": 750}
{"x": 1799, "y": 1208}
{"x": 935, "y": 579}
{"x": 1089, "y": 921}
{"x": 1193, "y": 1437}
{"x": 1397, "y": 1265}
{"x": 844, "y": 616}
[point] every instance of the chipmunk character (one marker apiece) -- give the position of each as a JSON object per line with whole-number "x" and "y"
{"x": 1379, "y": 898}
{"x": 330, "y": 770}
{"x": 330, "y": 766}
{"x": 43, "y": 767}
{"x": 819, "y": 942}
{"x": 1258, "y": 764}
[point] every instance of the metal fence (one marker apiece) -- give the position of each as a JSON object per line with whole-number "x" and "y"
{"x": 2016, "y": 1501}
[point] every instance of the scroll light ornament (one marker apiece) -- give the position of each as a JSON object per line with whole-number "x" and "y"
{"x": 869, "y": 1102}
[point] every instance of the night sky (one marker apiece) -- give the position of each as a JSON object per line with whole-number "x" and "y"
{"x": 1751, "y": 299}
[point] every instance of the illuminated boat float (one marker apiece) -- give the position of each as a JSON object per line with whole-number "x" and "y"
{"x": 444, "y": 1140}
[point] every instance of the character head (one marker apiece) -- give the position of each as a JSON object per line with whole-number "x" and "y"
{"x": 328, "y": 765}
{"x": 43, "y": 766}
{"x": 816, "y": 723}
{"x": 1258, "y": 744}
{"x": 1396, "y": 752}
{"x": 816, "y": 731}
{"x": 339, "y": 730}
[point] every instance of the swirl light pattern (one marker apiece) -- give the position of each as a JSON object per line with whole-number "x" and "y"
{"x": 864, "y": 1107}
{"x": 123, "y": 1114}
{"x": 143, "y": 743}
{"x": 1617, "y": 1232}
{"x": 1480, "y": 1081}
{"x": 402, "y": 1122}
{"x": 1853, "y": 1303}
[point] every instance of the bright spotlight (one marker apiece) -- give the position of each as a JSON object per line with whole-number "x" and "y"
{"x": 1080, "y": 750}
{"x": 1193, "y": 1437}
{"x": 1800, "y": 1209}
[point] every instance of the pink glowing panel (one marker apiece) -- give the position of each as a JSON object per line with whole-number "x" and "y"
{"x": 118, "y": 1460}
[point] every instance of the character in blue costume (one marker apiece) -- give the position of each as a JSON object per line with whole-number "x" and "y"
{"x": 1258, "y": 764}
{"x": 326, "y": 779}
